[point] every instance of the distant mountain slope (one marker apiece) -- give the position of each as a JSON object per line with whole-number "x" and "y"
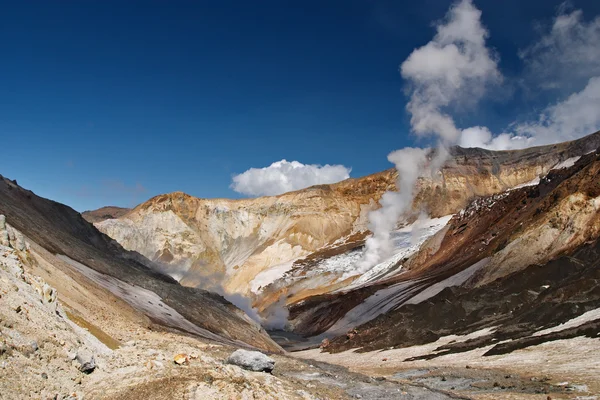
{"x": 71, "y": 245}
{"x": 104, "y": 213}
{"x": 252, "y": 243}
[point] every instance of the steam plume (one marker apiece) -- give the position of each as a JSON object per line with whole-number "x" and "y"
{"x": 275, "y": 317}
{"x": 453, "y": 69}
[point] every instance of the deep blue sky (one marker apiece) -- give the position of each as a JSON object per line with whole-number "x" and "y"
{"x": 112, "y": 102}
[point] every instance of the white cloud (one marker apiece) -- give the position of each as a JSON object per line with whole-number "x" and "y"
{"x": 567, "y": 55}
{"x": 454, "y": 67}
{"x": 576, "y": 116}
{"x": 480, "y": 136}
{"x": 284, "y": 176}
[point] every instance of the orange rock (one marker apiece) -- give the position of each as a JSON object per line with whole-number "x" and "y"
{"x": 181, "y": 359}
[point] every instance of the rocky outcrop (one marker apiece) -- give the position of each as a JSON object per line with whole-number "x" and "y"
{"x": 35, "y": 330}
{"x": 3, "y": 232}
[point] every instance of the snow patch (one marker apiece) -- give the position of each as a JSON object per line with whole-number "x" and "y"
{"x": 396, "y": 295}
{"x": 568, "y": 163}
{"x": 454, "y": 280}
{"x": 572, "y": 323}
{"x": 533, "y": 182}
{"x": 266, "y": 277}
{"x": 406, "y": 241}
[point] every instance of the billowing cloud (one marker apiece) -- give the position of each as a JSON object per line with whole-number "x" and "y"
{"x": 455, "y": 67}
{"x": 565, "y": 56}
{"x": 572, "y": 118}
{"x": 285, "y": 176}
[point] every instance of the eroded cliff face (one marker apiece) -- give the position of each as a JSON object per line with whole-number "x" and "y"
{"x": 232, "y": 242}
{"x": 199, "y": 239}
{"x": 518, "y": 261}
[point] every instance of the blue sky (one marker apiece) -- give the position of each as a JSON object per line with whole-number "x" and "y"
{"x": 112, "y": 102}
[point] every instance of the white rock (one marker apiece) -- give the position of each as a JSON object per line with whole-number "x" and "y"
{"x": 251, "y": 360}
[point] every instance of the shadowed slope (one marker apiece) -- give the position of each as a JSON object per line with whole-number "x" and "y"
{"x": 62, "y": 231}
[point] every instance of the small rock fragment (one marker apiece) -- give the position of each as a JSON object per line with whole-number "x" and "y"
{"x": 154, "y": 364}
{"x": 181, "y": 359}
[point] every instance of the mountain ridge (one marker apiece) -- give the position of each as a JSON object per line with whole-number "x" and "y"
{"x": 193, "y": 238}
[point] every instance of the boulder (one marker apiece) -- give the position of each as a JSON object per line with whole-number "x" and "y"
{"x": 86, "y": 361}
{"x": 251, "y": 360}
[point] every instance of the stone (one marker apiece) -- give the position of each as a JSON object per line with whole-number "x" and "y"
{"x": 4, "y": 239}
{"x": 20, "y": 242}
{"x": 11, "y": 236}
{"x": 87, "y": 363}
{"x": 154, "y": 364}
{"x": 181, "y": 359}
{"x": 251, "y": 360}
{"x": 48, "y": 294}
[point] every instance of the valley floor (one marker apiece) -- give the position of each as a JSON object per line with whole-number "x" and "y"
{"x": 561, "y": 369}
{"x": 134, "y": 359}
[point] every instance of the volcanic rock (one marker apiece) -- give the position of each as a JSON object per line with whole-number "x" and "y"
{"x": 251, "y": 360}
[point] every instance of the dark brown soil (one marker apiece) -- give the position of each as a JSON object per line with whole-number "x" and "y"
{"x": 519, "y": 305}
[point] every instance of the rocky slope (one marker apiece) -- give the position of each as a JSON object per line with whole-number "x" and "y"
{"x": 518, "y": 262}
{"x": 72, "y": 253}
{"x": 250, "y": 244}
{"x": 72, "y": 358}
